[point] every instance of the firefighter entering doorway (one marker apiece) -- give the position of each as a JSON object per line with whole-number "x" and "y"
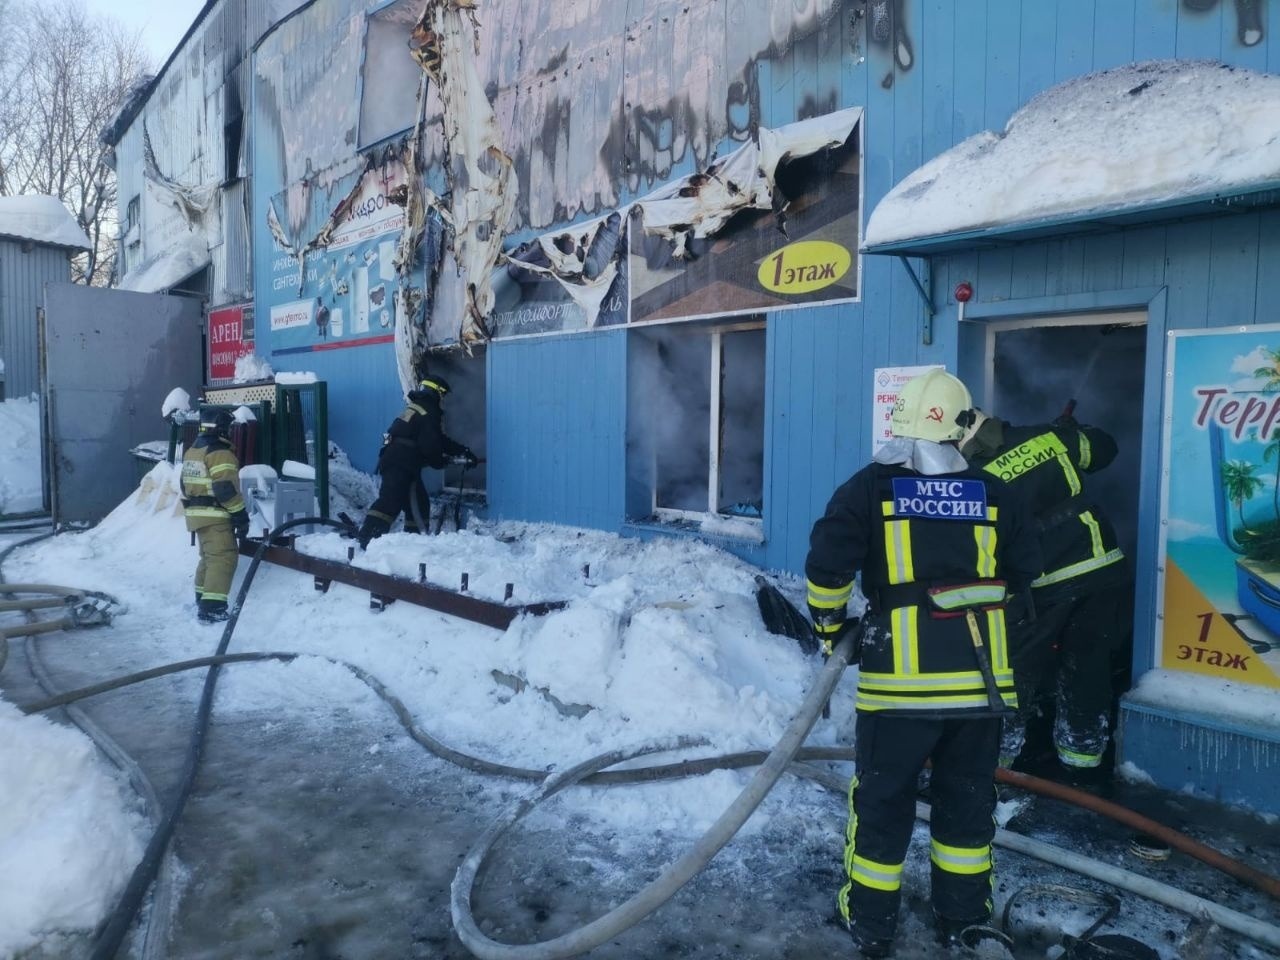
{"x": 1081, "y": 479}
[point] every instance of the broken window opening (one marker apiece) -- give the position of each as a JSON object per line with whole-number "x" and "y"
{"x": 696, "y": 421}
{"x": 464, "y": 418}
{"x": 389, "y": 80}
{"x": 232, "y": 134}
{"x": 132, "y": 214}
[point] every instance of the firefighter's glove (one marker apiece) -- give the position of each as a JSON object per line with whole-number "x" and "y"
{"x": 1066, "y": 422}
{"x": 828, "y": 625}
{"x": 240, "y": 524}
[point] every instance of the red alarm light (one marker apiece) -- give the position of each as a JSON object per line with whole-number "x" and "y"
{"x": 964, "y": 291}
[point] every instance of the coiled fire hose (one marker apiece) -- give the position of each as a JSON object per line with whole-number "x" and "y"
{"x": 592, "y": 771}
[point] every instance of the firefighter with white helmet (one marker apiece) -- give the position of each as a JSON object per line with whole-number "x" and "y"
{"x": 215, "y": 511}
{"x": 939, "y": 547}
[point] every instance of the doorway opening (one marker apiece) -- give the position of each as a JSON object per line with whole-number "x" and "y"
{"x": 1092, "y": 366}
{"x": 1034, "y": 367}
{"x": 465, "y": 421}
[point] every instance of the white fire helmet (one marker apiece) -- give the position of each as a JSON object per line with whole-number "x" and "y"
{"x": 930, "y": 407}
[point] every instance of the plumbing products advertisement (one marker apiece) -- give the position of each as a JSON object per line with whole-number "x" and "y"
{"x": 230, "y": 338}
{"x": 345, "y": 295}
{"x": 1220, "y": 587}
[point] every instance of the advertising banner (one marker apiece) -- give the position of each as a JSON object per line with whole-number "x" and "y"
{"x": 801, "y": 252}
{"x": 230, "y": 338}
{"x": 345, "y": 293}
{"x": 573, "y": 280}
{"x": 1220, "y": 560}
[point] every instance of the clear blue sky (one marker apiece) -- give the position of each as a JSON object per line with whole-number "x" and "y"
{"x": 161, "y": 22}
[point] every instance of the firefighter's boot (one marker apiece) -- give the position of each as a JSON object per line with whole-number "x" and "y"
{"x": 374, "y": 526}
{"x": 212, "y": 611}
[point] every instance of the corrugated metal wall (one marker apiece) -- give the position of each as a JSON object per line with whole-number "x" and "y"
{"x": 189, "y": 110}
{"x": 22, "y": 279}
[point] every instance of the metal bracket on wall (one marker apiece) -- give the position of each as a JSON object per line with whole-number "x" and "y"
{"x": 926, "y": 328}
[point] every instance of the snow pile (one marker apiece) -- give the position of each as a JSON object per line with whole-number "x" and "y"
{"x": 295, "y": 377}
{"x": 1135, "y": 135}
{"x": 1180, "y": 690}
{"x": 350, "y": 490}
{"x": 252, "y": 369}
{"x": 68, "y": 836}
{"x": 42, "y": 219}
{"x": 158, "y": 274}
{"x": 658, "y": 639}
{"x": 178, "y": 401}
{"x": 298, "y": 471}
{"x": 21, "y": 489}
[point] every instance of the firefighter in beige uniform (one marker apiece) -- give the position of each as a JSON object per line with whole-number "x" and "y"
{"x": 215, "y": 512}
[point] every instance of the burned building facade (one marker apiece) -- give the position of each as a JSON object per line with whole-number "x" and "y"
{"x": 675, "y": 256}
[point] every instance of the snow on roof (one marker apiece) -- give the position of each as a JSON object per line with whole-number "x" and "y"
{"x": 1136, "y": 135}
{"x": 159, "y": 273}
{"x": 41, "y": 219}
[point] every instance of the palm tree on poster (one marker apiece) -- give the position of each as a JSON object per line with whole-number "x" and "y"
{"x": 1240, "y": 482}
{"x": 1271, "y": 371}
{"x": 1270, "y": 452}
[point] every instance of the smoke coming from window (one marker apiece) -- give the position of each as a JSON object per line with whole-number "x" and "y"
{"x": 670, "y": 441}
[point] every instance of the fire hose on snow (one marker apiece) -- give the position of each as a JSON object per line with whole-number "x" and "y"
{"x": 784, "y": 758}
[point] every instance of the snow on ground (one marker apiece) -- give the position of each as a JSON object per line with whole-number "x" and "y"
{"x": 662, "y": 639}
{"x": 20, "y": 484}
{"x": 70, "y": 832}
{"x": 1138, "y": 134}
{"x": 658, "y": 639}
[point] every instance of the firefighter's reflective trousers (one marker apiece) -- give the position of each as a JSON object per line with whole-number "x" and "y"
{"x": 1066, "y": 654}
{"x": 218, "y": 557}
{"x": 890, "y": 752}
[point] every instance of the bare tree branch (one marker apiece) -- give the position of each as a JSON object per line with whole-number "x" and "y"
{"x": 64, "y": 74}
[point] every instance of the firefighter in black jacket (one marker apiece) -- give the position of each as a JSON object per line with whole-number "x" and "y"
{"x": 939, "y": 547}
{"x": 415, "y": 439}
{"x": 1083, "y": 601}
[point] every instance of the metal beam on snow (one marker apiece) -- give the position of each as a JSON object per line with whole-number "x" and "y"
{"x": 486, "y": 612}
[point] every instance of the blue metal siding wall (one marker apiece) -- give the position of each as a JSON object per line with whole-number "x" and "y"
{"x": 22, "y": 280}
{"x": 557, "y": 429}
{"x": 556, "y": 415}
{"x": 364, "y": 393}
{"x": 972, "y": 70}
{"x": 1209, "y": 273}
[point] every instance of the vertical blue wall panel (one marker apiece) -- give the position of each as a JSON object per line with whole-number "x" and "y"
{"x": 1113, "y": 33}
{"x": 1074, "y": 53}
{"x": 1155, "y": 31}
{"x": 1004, "y": 57}
{"x": 556, "y": 429}
{"x": 1233, "y": 270}
{"x": 1267, "y": 303}
{"x": 1200, "y": 33}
